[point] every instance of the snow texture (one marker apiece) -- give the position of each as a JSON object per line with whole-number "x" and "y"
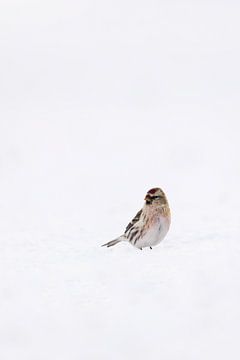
{"x": 100, "y": 101}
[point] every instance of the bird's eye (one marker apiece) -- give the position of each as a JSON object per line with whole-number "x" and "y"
{"x": 156, "y": 197}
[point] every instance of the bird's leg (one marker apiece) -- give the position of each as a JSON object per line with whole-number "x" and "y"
{"x": 150, "y": 247}
{"x": 140, "y": 248}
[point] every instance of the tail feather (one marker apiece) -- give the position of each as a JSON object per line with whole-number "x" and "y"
{"x": 112, "y": 243}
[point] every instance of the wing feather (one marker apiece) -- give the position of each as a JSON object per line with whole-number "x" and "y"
{"x": 134, "y": 220}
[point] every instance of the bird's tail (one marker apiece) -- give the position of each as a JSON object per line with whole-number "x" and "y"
{"x": 113, "y": 242}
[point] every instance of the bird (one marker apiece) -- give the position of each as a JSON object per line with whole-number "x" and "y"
{"x": 151, "y": 223}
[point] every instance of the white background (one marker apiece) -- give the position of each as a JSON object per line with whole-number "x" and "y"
{"x": 100, "y": 101}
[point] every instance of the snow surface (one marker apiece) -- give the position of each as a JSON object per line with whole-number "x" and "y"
{"x": 101, "y": 101}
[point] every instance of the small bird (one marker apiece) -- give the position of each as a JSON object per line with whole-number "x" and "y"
{"x": 151, "y": 223}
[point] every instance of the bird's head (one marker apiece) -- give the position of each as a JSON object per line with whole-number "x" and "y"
{"x": 155, "y": 196}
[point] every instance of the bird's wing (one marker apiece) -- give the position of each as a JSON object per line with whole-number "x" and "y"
{"x": 134, "y": 220}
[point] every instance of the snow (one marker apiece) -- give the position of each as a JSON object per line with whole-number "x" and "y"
{"x": 101, "y": 101}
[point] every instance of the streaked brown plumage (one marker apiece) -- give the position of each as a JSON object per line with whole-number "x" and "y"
{"x": 151, "y": 223}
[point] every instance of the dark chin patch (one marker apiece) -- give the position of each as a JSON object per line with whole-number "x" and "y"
{"x": 148, "y": 202}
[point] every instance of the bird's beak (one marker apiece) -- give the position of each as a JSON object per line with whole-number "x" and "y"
{"x": 148, "y": 199}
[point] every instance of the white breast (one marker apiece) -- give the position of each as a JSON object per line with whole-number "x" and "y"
{"x": 155, "y": 234}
